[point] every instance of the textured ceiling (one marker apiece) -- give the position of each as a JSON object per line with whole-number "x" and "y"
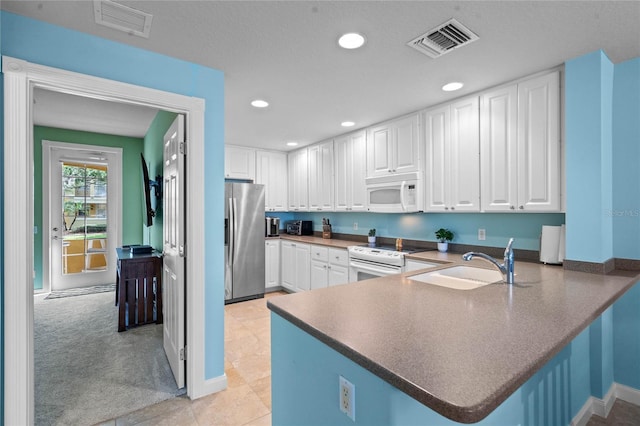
{"x": 286, "y": 52}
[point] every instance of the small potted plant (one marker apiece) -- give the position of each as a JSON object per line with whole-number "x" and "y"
{"x": 444, "y": 236}
{"x": 372, "y": 236}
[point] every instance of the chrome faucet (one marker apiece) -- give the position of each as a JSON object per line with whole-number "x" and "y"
{"x": 507, "y": 268}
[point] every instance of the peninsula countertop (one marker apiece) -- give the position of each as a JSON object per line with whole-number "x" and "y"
{"x": 459, "y": 352}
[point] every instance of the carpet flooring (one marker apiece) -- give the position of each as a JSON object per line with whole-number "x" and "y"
{"x": 82, "y": 291}
{"x": 85, "y": 371}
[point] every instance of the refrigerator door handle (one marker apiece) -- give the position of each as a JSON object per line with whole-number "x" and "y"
{"x": 232, "y": 236}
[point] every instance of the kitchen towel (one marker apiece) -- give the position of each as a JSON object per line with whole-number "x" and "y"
{"x": 552, "y": 244}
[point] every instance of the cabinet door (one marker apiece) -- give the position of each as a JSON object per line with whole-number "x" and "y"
{"x": 350, "y": 172}
{"x": 302, "y": 267}
{"x": 406, "y": 147}
{"x": 379, "y": 151}
{"x": 319, "y": 274}
{"x": 288, "y": 269}
{"x": 271, "y": 171}
{"x": 315, "y": 178}
{"x": 272, "y": 263}
{"x": 539, "y": 144}
{"x": 436, "y": 129}
{"x": 342, "y": 154}
{"x": 498, "y": 149}
{"x": 358, "y": 167}
{"x": 239, "y": 163}
{"x": 321, "y": 177}
{"x": 326, "y": 176}
{"x": 338, "y": 275}
{"x": 464, "y": 156}
{"x": 298, "y": 180}
{"x": 277, "y": 178}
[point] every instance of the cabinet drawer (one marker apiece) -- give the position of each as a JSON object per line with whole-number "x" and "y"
{"x": 338, "y": 257}
{"x": 319, "y": 253}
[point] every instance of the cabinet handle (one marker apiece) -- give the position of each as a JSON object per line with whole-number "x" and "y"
{"x": 453, "y": 208}
{"x": 512, "y": 208}
{"x": 521, "y": 207}
{"x": 446, "y": 208}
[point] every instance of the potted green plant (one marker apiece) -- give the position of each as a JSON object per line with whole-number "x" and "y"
{"x": 372, "y": 236}
{"x": 444, "y": 236}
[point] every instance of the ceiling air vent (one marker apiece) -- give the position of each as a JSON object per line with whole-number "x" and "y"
{"x": 123, "y": 18}
{"x": 443, "y": 39}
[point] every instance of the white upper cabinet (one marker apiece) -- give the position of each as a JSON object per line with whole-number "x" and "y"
{"x": 539, "y": 144}
{"x": 452, "y": 141}
{"x": 498, "y": 149}
{"x": 350, "y": 172}
{"x": 393, "y": 147}
{"x": 298, "y": 180}
{"x": 239, "y": 163}
{"x": 520, "y": 146}
{"x": 321, "y": 185}
{"x": 271, "y": 171}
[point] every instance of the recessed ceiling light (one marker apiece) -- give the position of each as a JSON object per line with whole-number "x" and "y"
{"x": 259, "y": 103}
{"x": 347, "y": 123}
{"x": 351, "y": 41}
{"x": 292, "y": 143}
{"x": 450, "y": 87}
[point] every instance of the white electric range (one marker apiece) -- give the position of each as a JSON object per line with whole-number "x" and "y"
{"x": 373, "y": 261}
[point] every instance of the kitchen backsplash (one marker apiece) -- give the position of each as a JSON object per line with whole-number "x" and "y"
{"x": 524, "y": 228}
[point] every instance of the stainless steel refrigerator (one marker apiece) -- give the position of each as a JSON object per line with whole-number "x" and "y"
{"x": 244, "y": 241}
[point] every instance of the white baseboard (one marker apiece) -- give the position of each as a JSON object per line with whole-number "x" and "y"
{"x": 210, "y": 386}
{"x": 602, "y": 407}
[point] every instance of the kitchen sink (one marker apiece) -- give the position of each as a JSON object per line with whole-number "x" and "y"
{"x": 460, "y": 277}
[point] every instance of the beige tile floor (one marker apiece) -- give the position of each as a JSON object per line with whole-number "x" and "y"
{"x": 247, "y": 400}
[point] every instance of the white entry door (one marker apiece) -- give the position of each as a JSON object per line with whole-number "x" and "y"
{"x": 81, "y": 218}
{"x": 173, "y": 283}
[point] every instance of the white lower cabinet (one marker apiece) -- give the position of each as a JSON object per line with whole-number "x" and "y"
{"x": 296, "y": 265}
{"x": 414, "y": 265}
{"x": 271, "y": 263}
{"x": 329, "y": 266}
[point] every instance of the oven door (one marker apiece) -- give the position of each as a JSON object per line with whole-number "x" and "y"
{"x": 360, "y": 270}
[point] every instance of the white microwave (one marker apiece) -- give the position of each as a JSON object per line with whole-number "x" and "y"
{"x": 400, "y": 193}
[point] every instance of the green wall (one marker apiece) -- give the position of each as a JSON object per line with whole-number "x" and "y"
{"x": 153, "y": 151}
{"x": 131, "y": 186}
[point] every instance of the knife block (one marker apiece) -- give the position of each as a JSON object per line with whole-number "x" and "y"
{"x": 326, "y": 231}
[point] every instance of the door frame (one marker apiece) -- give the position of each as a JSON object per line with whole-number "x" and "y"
{"x": 114, "y": 195}
{"x": 20, "y": 79}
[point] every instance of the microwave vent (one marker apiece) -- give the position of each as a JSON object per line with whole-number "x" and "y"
{"x": 443, "y": 39}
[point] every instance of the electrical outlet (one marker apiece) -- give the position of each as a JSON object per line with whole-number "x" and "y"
{"x": 482, "y": 235}
{"x": 355, "y": 226}
{"x": 348, "y": 398}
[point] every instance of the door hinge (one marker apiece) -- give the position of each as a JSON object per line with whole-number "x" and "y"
{"x": 183, "y": 148}
{"x": 182, "y": 251}
{"x": 183, "y": 354}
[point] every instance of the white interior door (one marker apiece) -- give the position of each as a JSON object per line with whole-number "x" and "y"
{"x": 173, "y": 283}
{"x": 81, "y": 218}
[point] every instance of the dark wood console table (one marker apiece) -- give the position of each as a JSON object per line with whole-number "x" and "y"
{"x": 138, "y": 288}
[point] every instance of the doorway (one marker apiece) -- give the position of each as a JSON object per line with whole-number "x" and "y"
{"x": 82, "y": 214}
{"x": 20, "y": 78}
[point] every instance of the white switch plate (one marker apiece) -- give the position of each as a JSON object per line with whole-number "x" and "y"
{"x": 482, "y": 234}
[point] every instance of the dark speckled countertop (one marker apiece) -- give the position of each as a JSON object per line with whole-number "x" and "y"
{"x": 470, "y": 349}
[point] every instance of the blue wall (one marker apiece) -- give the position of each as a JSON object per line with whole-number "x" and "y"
{"x": 626, "y": 157}
{"x": 58, "y": 47}
{"x": 525, "y": 227}
{"x": 588, "y": 117}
